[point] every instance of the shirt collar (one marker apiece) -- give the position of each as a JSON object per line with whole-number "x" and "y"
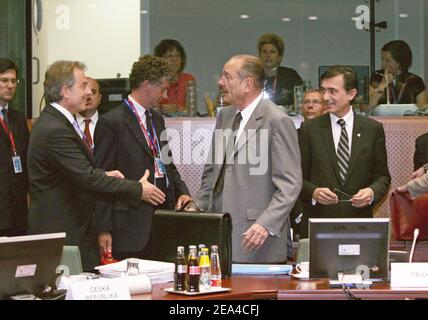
{"x": 349, "y": 118}
{"x": 80, "y": 119}
{"x": 64, "y": 111}
{"x": 139, "y": 107}
{"x": 248, "y": 110}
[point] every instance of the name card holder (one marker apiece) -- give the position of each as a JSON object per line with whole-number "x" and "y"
{"x": 99, "y": 289}
{"x": 409, "y": 275}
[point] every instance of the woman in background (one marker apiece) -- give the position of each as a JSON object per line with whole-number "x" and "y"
{"x": 173, "y": 52}
{"x": 280, "y": 81}
{"x": 403, "y": 86}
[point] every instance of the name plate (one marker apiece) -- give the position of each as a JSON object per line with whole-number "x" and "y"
{"x": 99, "y": 289}
{"x": 409, "y": 275}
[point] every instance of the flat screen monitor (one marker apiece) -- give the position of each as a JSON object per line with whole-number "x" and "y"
{"x": 363, "y": 75}
{"x": 349, "y": 246}
{"x": 28, "y": 263}
{"x": 113, "y": 92}
{"x": 399, "y": 110}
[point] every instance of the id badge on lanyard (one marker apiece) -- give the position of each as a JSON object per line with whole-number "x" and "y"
{"x": 17, "y": 165}
{"x": 159, "y": 168}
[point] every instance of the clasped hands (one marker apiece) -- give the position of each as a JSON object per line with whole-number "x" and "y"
{"x": 361, "y": 199}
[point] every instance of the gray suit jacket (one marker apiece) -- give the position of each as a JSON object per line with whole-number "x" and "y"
{"x": 418, "y": 186}
{"x": 262, "y": 179}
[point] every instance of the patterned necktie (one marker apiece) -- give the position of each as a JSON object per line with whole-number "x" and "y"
{"x": 87, "y": 132}
{"x": 343, "y": 151}
{"x": 220, "y": 182}
{"x": 149, "y": 123}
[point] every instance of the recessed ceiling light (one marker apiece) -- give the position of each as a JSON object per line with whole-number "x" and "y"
{"x": 403, "y": 15}
{"x": 144, "y": 12}
{"x": 244, "y": 16}
{"x": 285, "y": 19}
{"x": 354, "y": 18}
{"x": 313, "y": 18}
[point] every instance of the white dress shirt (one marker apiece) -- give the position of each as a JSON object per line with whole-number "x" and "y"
{"x": 246, "y": 114}
{"x": 69, "y": 117}
{"x": 81, "y": 122}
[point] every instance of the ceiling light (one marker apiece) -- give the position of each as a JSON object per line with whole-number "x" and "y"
{"x": 244, "y": 16}
{"x": 313, "y": 18}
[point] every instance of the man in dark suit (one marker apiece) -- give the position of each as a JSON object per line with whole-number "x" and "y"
{"x": 64, "y": 180}
{"x": 344, "y": 161}
{"x": 13, "y": 154}
{"x": 132, "y": 139}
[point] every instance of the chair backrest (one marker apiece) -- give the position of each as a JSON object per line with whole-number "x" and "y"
{"x": 71, "y": 259}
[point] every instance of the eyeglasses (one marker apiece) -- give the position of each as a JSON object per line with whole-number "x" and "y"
{"x": 5, "y": 81}
{"x": 315, "y": 102}
{"x": 345, "y": 197}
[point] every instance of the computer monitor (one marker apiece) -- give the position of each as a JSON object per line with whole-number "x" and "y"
{"x": 363, "y": 75}
{"x": 113, "y": 92}
{"x": 349, "y": 246}
{"x": 399, "y": 110}
{"x": 28, "y": 263}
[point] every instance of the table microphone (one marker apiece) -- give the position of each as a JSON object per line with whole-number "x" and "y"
{"x": 415, "y": 237}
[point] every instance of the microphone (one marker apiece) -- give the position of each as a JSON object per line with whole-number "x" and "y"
{"x": 415, "y": 237}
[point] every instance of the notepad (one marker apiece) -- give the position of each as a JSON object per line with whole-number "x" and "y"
{"x": 238, "y": 268}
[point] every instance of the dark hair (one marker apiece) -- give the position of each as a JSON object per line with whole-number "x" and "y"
{"x": 401, "y": 53}
{"x": 252, "y": 67}
{"x": 168, "y": 44}
{"x": 349, "y": 76}
{"x": 7, "y": 64}
{"x": 273, "y": 39}
{"x": 151, "y": 68}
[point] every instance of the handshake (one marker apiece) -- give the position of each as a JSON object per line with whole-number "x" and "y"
{"x": 151, "y": 193}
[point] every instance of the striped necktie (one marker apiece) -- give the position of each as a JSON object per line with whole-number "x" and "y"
{"x": 343, "y": 151}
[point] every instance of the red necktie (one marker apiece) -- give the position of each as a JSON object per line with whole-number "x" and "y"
{"x": 87, "y": 132}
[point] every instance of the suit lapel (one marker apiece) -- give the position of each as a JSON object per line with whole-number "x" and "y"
{"x": 328, "y": 143}
{"x": 133, "y": 125}
{"x": 67, "y": 123}
{"x": 252, "y": 127}
{"x": 356, "y": 144}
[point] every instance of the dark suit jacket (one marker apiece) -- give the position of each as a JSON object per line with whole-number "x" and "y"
{"x": 14, "y": 186}
{"x": 64, "y": 183}
{"x": 421, "y": 151}
{"x": 120, "y": 144}
{"x": 367, "y": 167}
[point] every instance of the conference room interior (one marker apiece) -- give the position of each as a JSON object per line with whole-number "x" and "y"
{"x": 108, "y": 36}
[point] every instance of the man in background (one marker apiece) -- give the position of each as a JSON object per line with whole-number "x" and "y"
{"x": 313, "y": 104}
{"x": 13, "y": 156}
{"x": 88, "y": 118}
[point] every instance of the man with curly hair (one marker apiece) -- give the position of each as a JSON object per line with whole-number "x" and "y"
{"x": 129, "y": 138}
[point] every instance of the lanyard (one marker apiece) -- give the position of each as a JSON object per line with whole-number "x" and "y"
{"x": 151, "y": 141}
{"x": 10, "y": 134}
{"x": 395, "y": 99}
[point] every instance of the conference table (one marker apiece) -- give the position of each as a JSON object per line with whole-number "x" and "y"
{"x": 285, "y": 287}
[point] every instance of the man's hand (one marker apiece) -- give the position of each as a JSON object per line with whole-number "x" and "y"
{"x": 418, "y": 173}
{"x": 325, "y": 196}
{"x": 104, "y": 243}
{"x": 403, "y": 189}
{"x": 182, "y": 200}
{"x": 116, "y": 174}
{"x": 151, "y": 193}
{"x": 362, "y": 198}
{"x": 254, "y": 237}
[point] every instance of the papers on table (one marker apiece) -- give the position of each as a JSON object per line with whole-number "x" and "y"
{"x": 261, "y": 268}
{"x": 156, "y": 271}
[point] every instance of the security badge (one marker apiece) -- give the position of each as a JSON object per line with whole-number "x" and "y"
{"x": 160, "y": 170}
{"x": 17, "y": 165}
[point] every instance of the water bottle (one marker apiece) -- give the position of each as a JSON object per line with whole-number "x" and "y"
{"x": 205, "y": 266}
{"x": 298, "y": 97}
{"x": 215, "y": 267}
{"x": 191, "y": 98}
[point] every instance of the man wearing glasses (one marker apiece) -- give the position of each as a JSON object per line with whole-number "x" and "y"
{"x": 313, "y": 104}
{"x": 13, "y": 153}
{"x": 344, "y": 161}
